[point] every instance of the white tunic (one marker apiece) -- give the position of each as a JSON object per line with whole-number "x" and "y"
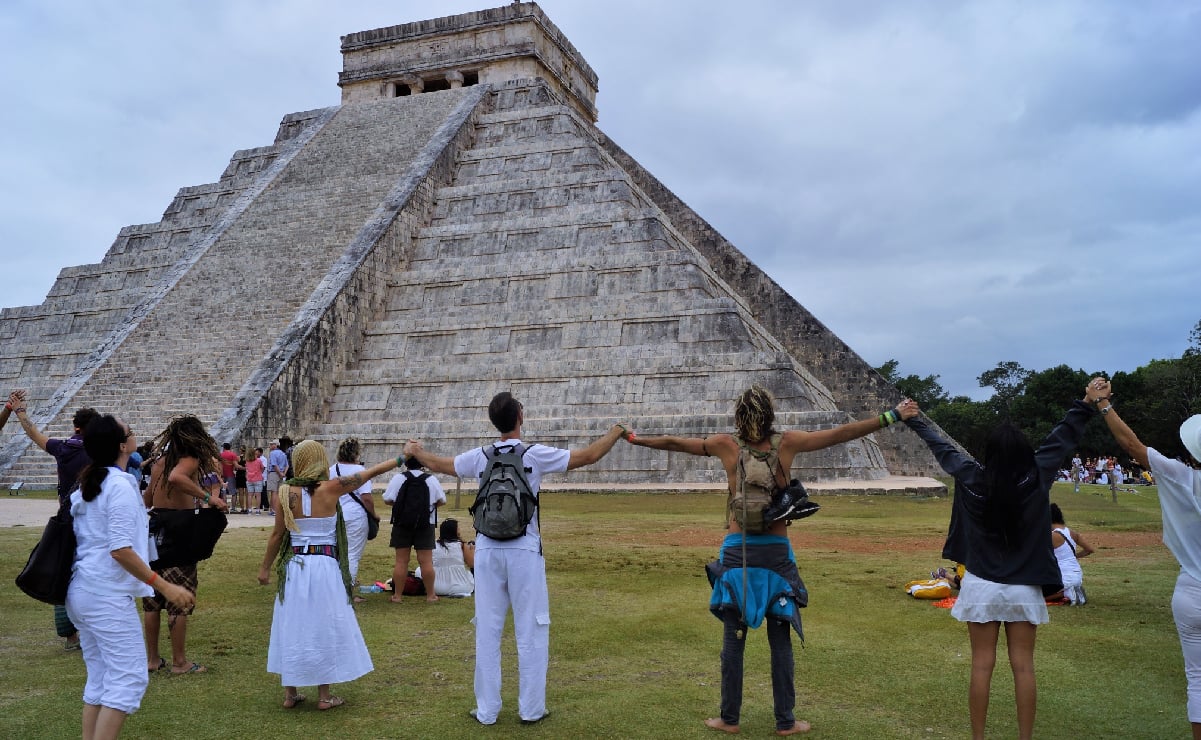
{"x": 315, "y": 636}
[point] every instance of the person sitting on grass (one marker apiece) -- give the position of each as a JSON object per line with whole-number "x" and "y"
{"x": 1069, "y": 548}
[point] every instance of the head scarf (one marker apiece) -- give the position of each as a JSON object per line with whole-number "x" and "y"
{"x": 310, "y": 465}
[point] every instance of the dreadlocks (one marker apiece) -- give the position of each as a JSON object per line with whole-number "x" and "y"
{"x": 185, "y": 436}
{"x": 754, "y": 414}
{"x": 348, "y": 451}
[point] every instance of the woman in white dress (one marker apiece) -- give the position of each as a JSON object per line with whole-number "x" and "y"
{"x": 454, "y": 560}
{"x": 1069, "y": 548}
{"x": 315, "y": 638}
{"x": 357, "y": 505}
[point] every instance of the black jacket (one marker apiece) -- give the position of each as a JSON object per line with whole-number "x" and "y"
{"x": 981, "y": 545}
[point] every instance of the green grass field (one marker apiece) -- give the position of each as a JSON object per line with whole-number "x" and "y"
{"x": 634, "y": 650}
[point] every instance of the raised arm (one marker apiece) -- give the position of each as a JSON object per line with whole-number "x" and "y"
{"x": 348, "y": 483}
{"x": 598, "y": 449}
{"x": 1065, "y": 436}
{"x": 17, "y": 400}
{"x": 430, "y": 461}
{"x": 1124, "y": 435}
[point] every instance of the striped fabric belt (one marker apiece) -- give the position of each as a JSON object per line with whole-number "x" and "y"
{"x": 330, "y": 550}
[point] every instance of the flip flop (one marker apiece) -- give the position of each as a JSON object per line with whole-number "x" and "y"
{"x": 162, "y": 663}
{"x": 292, "y": 701}
{"x": 330, "y": 703}
{"x": 194, "y": 668}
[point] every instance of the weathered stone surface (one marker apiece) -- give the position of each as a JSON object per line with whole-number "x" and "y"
{"x": 402, "y": 259}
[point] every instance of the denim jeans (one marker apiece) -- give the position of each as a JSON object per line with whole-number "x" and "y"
{"x": 733, "y": 646}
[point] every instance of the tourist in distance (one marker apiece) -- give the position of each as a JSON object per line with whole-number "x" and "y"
{"x": 256, "y": 471}
{"x": 1180, "y": 500}
{"x": 1006, "y": 514}
{"x": 277, "y": 468}
{"x": 184, "y": 455}
{"x": 315, "y": 637}
{"x": 70, "y": 458}
{"x": 109, "y": 572}
{"x": 768, "y": 551}
{"x": 512, "y": 573}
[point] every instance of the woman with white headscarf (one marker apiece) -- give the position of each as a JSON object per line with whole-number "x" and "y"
{"x": 315, "y": 637}
{"x": 1180, "y": 501}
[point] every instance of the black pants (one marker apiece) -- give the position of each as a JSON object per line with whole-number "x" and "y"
{"x": 732, "y": 648}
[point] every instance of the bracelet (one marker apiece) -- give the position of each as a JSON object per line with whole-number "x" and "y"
{"x": 207, "y": 496}
{"x": 888, "y": 417}
{"x": 399, "y": 462}
{"x": 153, "y": 577}
{"x": 19, "y": 411}
{"x": 1102, "y": 398}
{"x": 1106, "y": 410}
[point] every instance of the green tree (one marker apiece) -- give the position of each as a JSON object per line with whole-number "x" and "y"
{"x": 1007, "y": 380}
{"x": 927, "y": 391}
{"x": 968, "y": 422}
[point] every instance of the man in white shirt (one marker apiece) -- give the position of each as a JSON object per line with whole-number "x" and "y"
{"x": 512, "y": 573}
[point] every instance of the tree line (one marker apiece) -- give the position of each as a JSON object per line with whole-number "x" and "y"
{"x": 1154, "y": 399}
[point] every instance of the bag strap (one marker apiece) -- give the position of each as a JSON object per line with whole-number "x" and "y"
{"x": 353, "y": 495}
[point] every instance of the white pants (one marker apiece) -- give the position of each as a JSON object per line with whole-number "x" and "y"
{"x": 1186, "y": 610}
{"x": 356, "y": 536}
{"x": 110, "y": 636}
{"x": 514, "y": 578}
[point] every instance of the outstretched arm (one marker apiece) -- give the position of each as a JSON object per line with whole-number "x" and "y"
{"x": 1118, "y": 428}
{"x": 795, "y": 441}
{"x": 434, "y": 463}
{"x": 598, "y": 449}
{"x": 348, "y": 483}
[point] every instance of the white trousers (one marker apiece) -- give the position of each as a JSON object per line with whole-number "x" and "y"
{"x": 356, "y": 537}
{"x": 110, "y": 636}
{"x": 513, "y": 578}
{"x": 1186, "y": 610}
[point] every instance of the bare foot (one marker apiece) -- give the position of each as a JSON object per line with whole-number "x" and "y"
{"x": 715, "y": 723}
{"x": 797, "y": 727}
{"x": 395, "y": 599}
{"x": 359, "y": 600}
{"x": 431, "y": 598}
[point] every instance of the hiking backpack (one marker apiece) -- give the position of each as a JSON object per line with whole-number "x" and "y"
{"x": 756, "y": 485}
{"x": 506, "y": 503}
{"x": 411, "y": 509}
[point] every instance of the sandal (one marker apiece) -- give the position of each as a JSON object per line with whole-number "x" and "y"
{"x": 292, "y": 701}
{"x": 330, "y": 703}
{"x": 162, "y": 663}
{"x": 194, "y": 668}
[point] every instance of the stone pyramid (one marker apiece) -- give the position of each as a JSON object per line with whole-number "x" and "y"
{"x": 456, "y": 227}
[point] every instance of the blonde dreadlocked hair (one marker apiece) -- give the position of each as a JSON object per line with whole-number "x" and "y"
{"x": 185, "y": 436}
{"x": 348, "y": 451}
{"x": 754, "y": 414}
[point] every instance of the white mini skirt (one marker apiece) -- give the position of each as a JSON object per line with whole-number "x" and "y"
{"x": 981, "y": 600}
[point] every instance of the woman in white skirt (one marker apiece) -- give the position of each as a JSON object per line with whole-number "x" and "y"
{"x": 1010, "y": 565}
{"x": 453, "y": 561}
{"x": 315, "y": 637}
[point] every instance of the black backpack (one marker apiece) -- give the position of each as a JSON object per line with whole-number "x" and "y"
{"x": 411, "y": 510}
{"x": 506, "y": 503}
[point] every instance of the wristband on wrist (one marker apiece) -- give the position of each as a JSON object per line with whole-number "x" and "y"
{"x": 888, "y": 417}
{"x": 399, "y": 462}
{"x": 207, "y": 496}
{"x": 153, "y": 577}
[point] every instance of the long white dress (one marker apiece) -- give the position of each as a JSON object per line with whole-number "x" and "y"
{"x": 315, "y": 637}
{"x": 452, "y": 577}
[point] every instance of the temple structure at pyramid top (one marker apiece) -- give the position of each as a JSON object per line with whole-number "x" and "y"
{"x": 455, "y": 227}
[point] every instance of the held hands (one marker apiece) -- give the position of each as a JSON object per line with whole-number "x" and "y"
{"x": 1098, "y": 389}
{"x": 412, "y": 447}
{"x": 908, "y": 409}
{"x": 626, "y": 433}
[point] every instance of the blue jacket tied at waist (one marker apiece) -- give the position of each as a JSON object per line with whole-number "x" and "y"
{"x": 773, "y": 584}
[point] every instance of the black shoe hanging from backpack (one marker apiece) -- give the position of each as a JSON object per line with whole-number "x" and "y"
{"x": 790, "y": 504}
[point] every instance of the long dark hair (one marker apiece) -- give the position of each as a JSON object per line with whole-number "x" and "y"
{"x": 448, "y": 531}
{"x": 1009, "y": 469}
{"x": 185, "y": 436}
{"x": 102, "y": 440}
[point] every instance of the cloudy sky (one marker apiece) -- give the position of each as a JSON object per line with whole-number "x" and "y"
{"x": 951, "y": 185}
